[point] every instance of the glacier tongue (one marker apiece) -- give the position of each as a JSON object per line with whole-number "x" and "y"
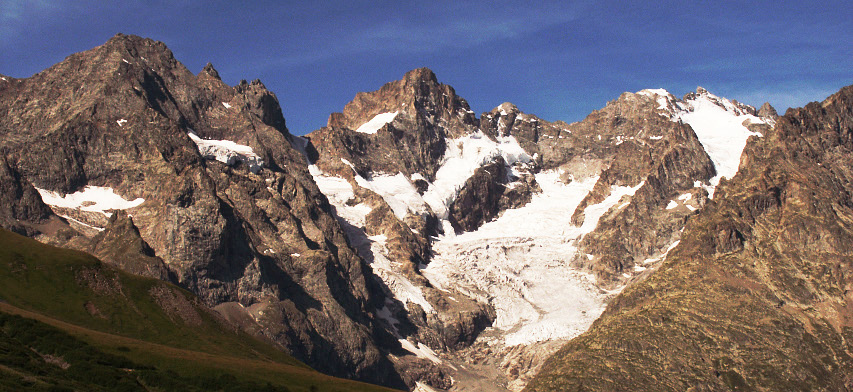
{"x": 520, "y": 264}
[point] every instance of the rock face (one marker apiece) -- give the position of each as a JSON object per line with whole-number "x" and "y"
{"x": 756, "y": 295}
{"x": 116, "y": 122}
{"x": 402, "y": 127}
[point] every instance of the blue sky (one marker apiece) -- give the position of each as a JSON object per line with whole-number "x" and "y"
{"x": 558, "y": 60}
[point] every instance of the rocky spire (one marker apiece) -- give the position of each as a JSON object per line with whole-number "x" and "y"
{"x": 767, "y": 111}
{"x": 208, "y": 70}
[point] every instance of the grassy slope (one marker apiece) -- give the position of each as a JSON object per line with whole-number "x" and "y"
{"x": 117, "y": 314}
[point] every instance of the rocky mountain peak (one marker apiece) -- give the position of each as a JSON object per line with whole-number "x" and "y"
{"x": 209, "y": 71}
{"x": 505, "y": 108}
{"x": 402, "y": 127}
{"x": 133, "y": 49}
{"x": 421, "y": 75}
{"x": 767, "y": 111}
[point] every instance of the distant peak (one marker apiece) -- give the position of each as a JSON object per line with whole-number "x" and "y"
{"x": 421, "y": 74}
{"x": 130, "y": 40}
{"x": 136, "y": 46}
{"x": 767, "y": 111}
{"x": 701, "y": 90}
{"x": 505, "y": 108}
{"x": 210, "y": 71}
{"x": 651, "y": 92}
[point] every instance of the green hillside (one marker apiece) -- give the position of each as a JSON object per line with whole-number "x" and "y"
{"x": 99, "y": 328}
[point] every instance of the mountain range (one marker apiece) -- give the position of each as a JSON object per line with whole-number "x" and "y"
{"x": 661, "y": 243}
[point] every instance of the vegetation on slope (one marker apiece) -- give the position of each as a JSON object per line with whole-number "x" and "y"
{"x": 89, "y": 326}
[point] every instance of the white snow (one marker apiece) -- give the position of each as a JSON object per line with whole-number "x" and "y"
{"x": 422, "y": 350}
{"x": 398, "y": 191}
{"x": 227, "y": 106}
{"x": 128, "y": 62}
{"x": 663, "y": 255}
{"x": 462, "y": 158}
{"x": 418, "y": 176}
{"x": 228, "y": 152}
{"x": 295, "y": 254}
{"x": 421, "y": 387}
{"x": 655, "y": 137}
{"x": 672, "y": 204}
{"x": 520, "y": 263}
{"x": 717, "y": 122}
{"x": 121, "y": 122}
{"x": 91, "y": 198}
{"x": 4, "y": 79}
{"x": 719, "y": 125}
{"x": 376, "y": 122}
{"x": 663, "y": 97}
{"x": 372, "y": 249}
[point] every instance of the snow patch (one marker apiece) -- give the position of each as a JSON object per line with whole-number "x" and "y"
{"x": 422, "y": 350}
{"x": 377, "y": 122}
{"x": 121, "y": 122}
{"x": 228, "y": 152}
{"x": 91, "y": 198}
{"x": 227, "y": 106}
{"x": 398, "y": 191}
{"x": 462, "y": 158}
{"x": 421, "y": 387}
{"x": 373, "y": 249}
{"x": 663, "y": 97}
{"x": 718, "y": 124}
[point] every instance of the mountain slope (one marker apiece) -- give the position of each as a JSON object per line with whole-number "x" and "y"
{"x": 214, "y": 196}
{"x": 757, "y": 294}
{"x": 109, "y": 321}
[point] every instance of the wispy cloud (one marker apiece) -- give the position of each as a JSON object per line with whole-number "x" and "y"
{"x": 16, "y": 14}
{"x": 784, "y": 96}
{"x": 449, "y": 26}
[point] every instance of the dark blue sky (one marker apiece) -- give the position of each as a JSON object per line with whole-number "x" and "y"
{"x": 558, "y": 60}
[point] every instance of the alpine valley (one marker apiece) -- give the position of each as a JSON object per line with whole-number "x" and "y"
{"x": 181, "y": 238}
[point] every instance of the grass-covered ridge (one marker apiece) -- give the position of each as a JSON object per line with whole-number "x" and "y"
{"x": 168, "y": 339}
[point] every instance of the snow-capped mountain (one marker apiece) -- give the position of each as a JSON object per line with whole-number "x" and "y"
{"x": 410, "y": 242}
{"x": 511, "y": 217}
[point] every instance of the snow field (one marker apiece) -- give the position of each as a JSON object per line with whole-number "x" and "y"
{"x": 721, "y": 132}
{"x": 717, "y": 122}
{"x": 91, "y": 198}
{"x": 227, "y": 152}
{"x": 462, "y": 158}
{"x": 520, "y": 263}
{"x": 373, "y": 249}
{"x": 376, "y": 123}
